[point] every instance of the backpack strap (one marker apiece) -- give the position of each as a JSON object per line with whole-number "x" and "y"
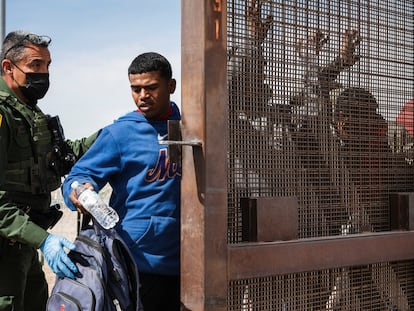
{"x": 88, "y": 222}
{"x": 85, "y": 221}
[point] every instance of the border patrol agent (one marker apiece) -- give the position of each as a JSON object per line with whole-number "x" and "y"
{"x": 34, "y": 156}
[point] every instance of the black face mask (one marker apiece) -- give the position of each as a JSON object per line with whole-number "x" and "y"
{"x": 36, "y": 87}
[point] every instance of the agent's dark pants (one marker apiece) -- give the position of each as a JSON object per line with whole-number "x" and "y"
{"x": 23, "y": 286}
{"x": 160, "y": 292}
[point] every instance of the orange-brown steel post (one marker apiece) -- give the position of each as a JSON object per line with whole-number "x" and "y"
{"x": 204, "y": 192}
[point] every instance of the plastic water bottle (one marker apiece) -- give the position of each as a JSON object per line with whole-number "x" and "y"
{"x": 105, "y": 215}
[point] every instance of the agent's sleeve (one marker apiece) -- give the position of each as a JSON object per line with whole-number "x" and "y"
{"x": 14, "y": 224}
{"x": 96, "y": 166}
{"x": 80, "y": 146}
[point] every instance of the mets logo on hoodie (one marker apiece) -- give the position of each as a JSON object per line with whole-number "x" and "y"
{"x": 163, "y": 168}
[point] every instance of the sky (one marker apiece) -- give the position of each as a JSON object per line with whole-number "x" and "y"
{"x": 93, "y": 43}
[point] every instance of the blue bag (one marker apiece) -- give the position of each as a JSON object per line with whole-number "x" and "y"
{"x": 108, "y": 279}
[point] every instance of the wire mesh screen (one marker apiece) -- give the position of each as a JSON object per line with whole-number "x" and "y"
{"x": 321, "y": 101}
{"x": 382, "y": 286}
{"x": 321, "y": 109}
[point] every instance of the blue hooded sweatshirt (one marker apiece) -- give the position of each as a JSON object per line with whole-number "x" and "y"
{"x": 145, "y": 187}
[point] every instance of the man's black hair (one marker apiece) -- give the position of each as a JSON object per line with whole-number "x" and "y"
{"x": 151, "y": 61}
{"x": 356, "y": 101}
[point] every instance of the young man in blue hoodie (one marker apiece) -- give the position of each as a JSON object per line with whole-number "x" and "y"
{"x": 145, "y": 182}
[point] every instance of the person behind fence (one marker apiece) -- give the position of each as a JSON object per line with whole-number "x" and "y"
{"x": 371, "y": 164}
{"x": 360, "y": 127}
{"x": 145, "y": 181}
{"x": 34, "y": 155}
{"x": 312, "y": 128}
{"x": 362, "y": 134}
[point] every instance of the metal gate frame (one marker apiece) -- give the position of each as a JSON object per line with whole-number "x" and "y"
{"x": 208, "y": 263}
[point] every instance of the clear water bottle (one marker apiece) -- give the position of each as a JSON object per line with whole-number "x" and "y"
{"x": 105, "y": 215}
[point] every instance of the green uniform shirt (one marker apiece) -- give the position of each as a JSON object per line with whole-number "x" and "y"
{"x": 14, "y": 222}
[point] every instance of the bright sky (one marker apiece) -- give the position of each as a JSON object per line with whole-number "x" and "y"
{"x": 93, "y": 43}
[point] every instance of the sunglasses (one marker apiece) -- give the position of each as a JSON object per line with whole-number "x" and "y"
{"x": 30, "y": 38}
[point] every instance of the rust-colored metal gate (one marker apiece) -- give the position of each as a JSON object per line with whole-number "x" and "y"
{"x": 301, "y": 194}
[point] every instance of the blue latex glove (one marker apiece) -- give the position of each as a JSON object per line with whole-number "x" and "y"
{"x": 56, "y": 257}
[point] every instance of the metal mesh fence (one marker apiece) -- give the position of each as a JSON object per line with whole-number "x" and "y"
{"x": 382, "y": 286}
{"x": 318, "y": 95}
{"x": 321, "y": 97}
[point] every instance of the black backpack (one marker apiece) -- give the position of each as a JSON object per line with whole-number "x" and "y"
{"x": 108, "y": 278}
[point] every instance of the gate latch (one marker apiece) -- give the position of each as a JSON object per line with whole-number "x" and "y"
{"x": 175, "y": 141}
